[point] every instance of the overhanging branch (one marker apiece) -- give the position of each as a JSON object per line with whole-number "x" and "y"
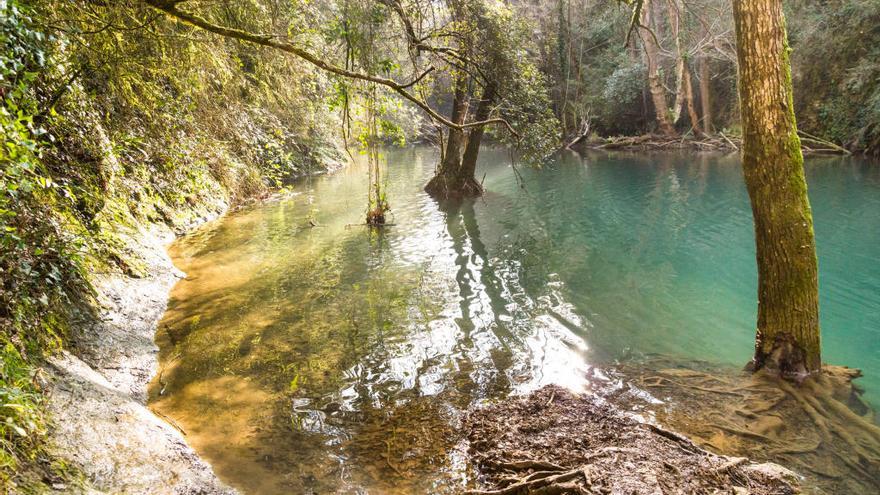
{"x": 170, "y": 8}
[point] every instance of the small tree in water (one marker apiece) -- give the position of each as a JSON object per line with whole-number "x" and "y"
{"x": 787, "y": 340}
{"x": 377, "y": 202}
{"x": 496, "y": 82}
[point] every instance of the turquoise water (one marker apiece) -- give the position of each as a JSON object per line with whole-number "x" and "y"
{"x": 334, "y": 357}
{"x": 658, "y": 252}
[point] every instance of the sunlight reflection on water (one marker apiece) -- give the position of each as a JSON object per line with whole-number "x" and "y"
{"x": 333, "y": 358}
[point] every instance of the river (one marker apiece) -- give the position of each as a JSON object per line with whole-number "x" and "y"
{"x": 333, "y": 357}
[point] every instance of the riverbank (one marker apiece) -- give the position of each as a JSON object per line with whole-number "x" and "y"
{"x": 555, "y": 441}
{"x": 720, "y": 142}
{"x": 96, "y": 389}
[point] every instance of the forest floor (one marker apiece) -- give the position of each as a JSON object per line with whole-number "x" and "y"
{"x": 553, "y": 441}
{"x": 97, "y": 390}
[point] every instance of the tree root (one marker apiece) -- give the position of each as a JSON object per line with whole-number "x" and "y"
{"x": 443, "y": 187}
{"x": 808, "y": 426}
{"x": 526, "y": 464}
{"x": 549, "y": 484}
{"x": 657, "y": 381}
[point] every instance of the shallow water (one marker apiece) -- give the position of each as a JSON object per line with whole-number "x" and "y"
{"x": 335, "y": 358}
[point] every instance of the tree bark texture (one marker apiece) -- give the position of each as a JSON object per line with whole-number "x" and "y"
{"x": 655, "y": 82}
{"x": 787, "y": 338}
{"x": 475, "y": 137}
{"x": 705, "y": 94}
{"x": 450, "y": 180}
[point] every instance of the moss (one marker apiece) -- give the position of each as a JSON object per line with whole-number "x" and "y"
{"x": 165, "y": 133}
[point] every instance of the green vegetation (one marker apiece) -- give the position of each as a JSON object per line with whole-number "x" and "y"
{"x": 836, "y": 61}
{"x": 114, "y": 118}
{"x": 118, "y": 116}
{"x": 601, "y": 86}
{"x": 39, "y": 264}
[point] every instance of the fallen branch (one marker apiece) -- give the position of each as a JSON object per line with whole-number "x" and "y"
{"x": 728, "y": 141}
{"x": 831, "y": 147}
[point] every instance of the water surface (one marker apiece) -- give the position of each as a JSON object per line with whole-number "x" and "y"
{"x": 334, "y": 358}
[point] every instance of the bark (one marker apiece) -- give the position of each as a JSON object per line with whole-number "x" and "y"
{"x": 448, "y": 179}
{"x": 689, "y": 99}
{"x": 705, "y": 95}
{"x": 655, "y": 83}
{"x": 674, "y": 9}
{"x": 787, "y": 338}
{"x": 452, "y": 157}
{"x": 469, "y": 162}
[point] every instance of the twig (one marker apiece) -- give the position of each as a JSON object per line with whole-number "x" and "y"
{"x": 728, "y": 141}
{"x": 170, "y": 421}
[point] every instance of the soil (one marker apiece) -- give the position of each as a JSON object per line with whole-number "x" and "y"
{"x": 555, "y": 441}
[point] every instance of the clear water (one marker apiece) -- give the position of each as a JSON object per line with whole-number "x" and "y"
{"x": 335, "y": 358}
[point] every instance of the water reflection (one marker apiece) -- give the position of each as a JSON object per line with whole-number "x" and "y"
{"x": 336, "y": 358}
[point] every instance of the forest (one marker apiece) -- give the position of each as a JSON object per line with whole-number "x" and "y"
{"x": 394, "y": 246}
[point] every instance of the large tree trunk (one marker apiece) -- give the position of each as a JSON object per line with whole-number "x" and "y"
{"x": 674, "y": 9}
{"x": 787, "y": 340}
{"x": 706, "y": 94}
{"x": 469, "y": 163}
{"x": 655, "y": 83}
{"x": 446, "y": 180}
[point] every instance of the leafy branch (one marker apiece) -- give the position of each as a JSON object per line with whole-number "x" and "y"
{"x": 170, "y": 7}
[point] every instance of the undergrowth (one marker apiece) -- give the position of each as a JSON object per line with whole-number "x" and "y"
{"x": 106, "y": 131}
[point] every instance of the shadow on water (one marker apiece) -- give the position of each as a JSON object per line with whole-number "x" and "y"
{"x": 338, "y": 358}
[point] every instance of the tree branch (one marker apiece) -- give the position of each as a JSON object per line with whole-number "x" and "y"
{"x": 170, "y": 7}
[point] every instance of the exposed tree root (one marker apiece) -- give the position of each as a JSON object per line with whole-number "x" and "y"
{"x": 809, "y": 426}
{"x": 444, "y": 187}
{"x": 581, "y": 445}
{"x": 530, "y": 484}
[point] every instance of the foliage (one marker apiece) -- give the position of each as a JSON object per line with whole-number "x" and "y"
{"x": 39, "y": 263}
{"x": 836, "y": 59}
{"x": 21, "y": 419}
{"x": 114, "y": 117}
{"x": 596, "y": 80}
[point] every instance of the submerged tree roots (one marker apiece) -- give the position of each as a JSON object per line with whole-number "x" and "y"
{"x": 443, "y": 187}
{"x": 821, "y": 428}
{"x": 556, "y": 442}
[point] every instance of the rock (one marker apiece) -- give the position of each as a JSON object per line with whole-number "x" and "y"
{"x": 98, "y": 391}
{"x": 772, "y": 472}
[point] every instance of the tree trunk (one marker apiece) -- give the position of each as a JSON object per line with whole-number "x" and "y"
{"x": 706, "y": 94}
{"x": 689, "y": 99}
{"x": 447, "y": 180}
{"x": 674, "y": 9}
{"x": 787, "y": 340}
{"x": 655, "y": 83}
{"x": 470, "y": 186}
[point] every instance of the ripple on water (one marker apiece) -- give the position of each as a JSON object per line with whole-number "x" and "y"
{"x": 336, "y": 358}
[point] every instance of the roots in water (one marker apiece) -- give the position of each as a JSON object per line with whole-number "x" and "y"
{"x": 556, "y": 442}
{"x": 376, "y": 217}
{"x": 820, "y": 428}
{"x": 444, "y": 187}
